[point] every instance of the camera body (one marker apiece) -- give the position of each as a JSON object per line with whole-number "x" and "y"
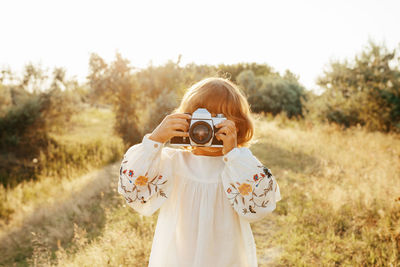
{"x": 201, "y": 130}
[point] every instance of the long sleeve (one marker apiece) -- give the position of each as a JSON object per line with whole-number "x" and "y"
{"x": 250, "y": 187}
{"x": 145, "y": 175}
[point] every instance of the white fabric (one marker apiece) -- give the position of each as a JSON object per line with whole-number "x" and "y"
{"x": 200, "y": 223}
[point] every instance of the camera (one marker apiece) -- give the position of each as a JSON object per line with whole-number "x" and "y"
{"x": 201, "y": 130}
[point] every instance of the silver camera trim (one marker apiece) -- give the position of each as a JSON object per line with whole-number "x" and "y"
{"x": 202, "y": 114}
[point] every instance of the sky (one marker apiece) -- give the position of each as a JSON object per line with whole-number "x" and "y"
{"x": 302, "y": 36}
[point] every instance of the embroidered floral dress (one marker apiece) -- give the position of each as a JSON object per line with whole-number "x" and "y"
{"x": 206, "y": 203}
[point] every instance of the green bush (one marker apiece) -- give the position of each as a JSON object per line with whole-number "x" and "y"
{"x": 32, "y": 113}
{"x": 272, "y": 93}
{"x": 364, "y": 91}
{"x": 142, "y": 97}
{"x": 115, "y": 84}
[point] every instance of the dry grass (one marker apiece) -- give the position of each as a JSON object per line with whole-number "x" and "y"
{"x": 89, "y": 143}
{"x": 340, "y": 193}
{"x": 89, "y": 226}
{"x": 340, "y": 206}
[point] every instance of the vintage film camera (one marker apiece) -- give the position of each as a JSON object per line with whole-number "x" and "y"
{"x": 201, "y": 130}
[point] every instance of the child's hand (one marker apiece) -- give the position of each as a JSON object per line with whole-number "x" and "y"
{"x": 169, "y": 127}
{"x": 228, "y": 135}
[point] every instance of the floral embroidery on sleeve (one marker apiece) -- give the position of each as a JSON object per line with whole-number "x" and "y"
{"x": 137, "y": 185}
{"x": 242, "y": 190}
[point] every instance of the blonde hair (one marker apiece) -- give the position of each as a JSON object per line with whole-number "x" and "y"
{"x": 220, "y": 95}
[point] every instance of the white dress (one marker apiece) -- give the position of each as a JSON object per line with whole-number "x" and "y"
{"x": 206, "y": 202}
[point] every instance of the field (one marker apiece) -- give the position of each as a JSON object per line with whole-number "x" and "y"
{"x": 340, "y": 203}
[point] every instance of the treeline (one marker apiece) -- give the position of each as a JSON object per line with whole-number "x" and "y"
{"x": 30, "y": 108}
{"x": 141, "y": 98}
{"x": 363, "y": 91}
{"x": 36, "y": 113}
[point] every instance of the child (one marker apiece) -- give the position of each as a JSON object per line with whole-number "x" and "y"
{"x": 207, "y": 195}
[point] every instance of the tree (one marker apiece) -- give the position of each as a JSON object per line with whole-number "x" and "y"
{"x": 116, "y": 85}
{"x": 365, "y": 90}
{"x": 273, "y": 93}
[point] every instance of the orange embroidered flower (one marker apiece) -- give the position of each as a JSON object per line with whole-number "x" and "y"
{"x": 141, "y": 180}
{"x": 229, "y": 190}
{"x": 244, "y": 189}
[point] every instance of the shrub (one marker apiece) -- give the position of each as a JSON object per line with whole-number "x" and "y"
{"x": 26, "y": 123}
{"x": 273, "y": 93}
{"x": 364, "y": 91}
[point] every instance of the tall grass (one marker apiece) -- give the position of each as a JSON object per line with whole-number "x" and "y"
{"x": 340, "y": 206}
{"x": 340, "y": 193}
{"x": 88, "y": 143}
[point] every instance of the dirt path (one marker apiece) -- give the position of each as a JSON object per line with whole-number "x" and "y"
{"x": 51, "y": 223}
{"x": 85, "y": 206}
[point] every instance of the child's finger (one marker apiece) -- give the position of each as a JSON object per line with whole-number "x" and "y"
{"x": 179, "y": 120}
{"x": 180, "y": 126}
{"x": 227, "y": 123}
{"x": 222, "y": 130}
{"x": 220, "y": 136}
{"x": 219, "y": 125}
{"x": 225, "y": 130}
{"x": 180, "y": 115}
{"x": 178, "y": 133}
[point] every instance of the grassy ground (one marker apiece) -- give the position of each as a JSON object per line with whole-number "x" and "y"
{"x": 340, "y": 206}
{"x": 340, "y": 194}
{"x": 88, "y": 144}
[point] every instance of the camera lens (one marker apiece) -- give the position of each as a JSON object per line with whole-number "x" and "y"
{"x": 200, "y": 132}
